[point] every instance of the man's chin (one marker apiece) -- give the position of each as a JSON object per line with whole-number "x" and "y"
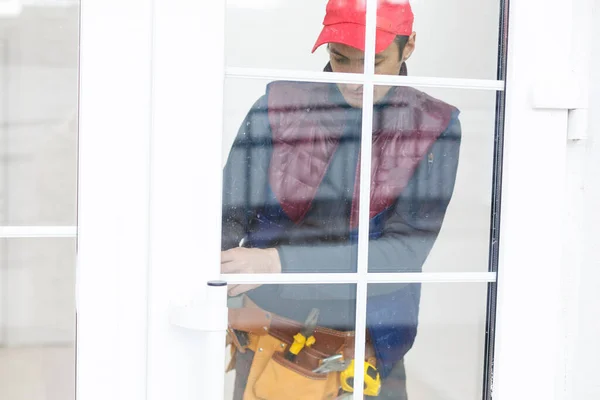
{"x": 354, "y": 101}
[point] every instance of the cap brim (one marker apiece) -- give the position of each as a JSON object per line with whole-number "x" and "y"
{"x": 352, "y": 35}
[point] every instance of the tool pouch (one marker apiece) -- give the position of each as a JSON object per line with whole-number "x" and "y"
{"x": 272, "y": 377}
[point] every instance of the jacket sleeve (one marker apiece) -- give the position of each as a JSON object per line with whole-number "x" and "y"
{"x": 245, "y": 175}
{"x": 409, "y": 232}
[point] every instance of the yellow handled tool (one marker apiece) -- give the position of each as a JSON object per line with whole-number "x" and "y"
{"x": 372, "y": 379}
{"x": 300, "y": 341}
{"x": 305, "y": 337}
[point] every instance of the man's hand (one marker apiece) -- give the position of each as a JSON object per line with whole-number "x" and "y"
{"x": 241, "y": 260}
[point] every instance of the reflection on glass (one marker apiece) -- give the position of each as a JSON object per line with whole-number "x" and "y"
{"x": 432, "y": 344}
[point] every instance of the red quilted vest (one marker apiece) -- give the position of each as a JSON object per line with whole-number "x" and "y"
{"x": 306, "y": 127}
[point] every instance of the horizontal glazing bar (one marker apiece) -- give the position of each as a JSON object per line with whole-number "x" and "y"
{"x": 37, "y": 231}
{"x": 390, "y": 80}
{"x": 50, "y": 3}
{"x": 437, "y": 277}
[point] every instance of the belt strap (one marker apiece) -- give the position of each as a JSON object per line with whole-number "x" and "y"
{"x": 256, "y": 321}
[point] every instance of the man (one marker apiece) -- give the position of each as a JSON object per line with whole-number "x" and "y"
{"x": 291, "y": 205}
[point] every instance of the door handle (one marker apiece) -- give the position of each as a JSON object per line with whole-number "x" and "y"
{"x": 205, "y": 314}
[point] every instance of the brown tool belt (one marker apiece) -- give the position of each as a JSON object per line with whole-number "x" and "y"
{"x": 258, "y": 322}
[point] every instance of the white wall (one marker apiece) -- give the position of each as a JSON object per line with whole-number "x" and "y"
{"x": 455, "y": 38}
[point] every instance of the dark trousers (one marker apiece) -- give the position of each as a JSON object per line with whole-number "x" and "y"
{"x": 393, "y": 387}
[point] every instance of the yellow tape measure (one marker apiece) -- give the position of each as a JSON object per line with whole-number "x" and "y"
{"x": 372, "y": 379}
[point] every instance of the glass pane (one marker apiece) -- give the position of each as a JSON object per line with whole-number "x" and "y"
{"x": 38, "y": 115}
{"x": 440, "y": 180}
{"x": 262, "y": 334}
{"x": 454, "y": 38}
{"x": 428, "y": 341}
{"x": 431, "y": 196}
{"x": 280, "y": 35}
{"x": 37, "y": 298}
{"x": 280, "y": 190}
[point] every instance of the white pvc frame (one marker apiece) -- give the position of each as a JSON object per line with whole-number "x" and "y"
{"x": 131, "y": 266}
{"x": 113, "y": 199}
{"x": 527, "y": 361}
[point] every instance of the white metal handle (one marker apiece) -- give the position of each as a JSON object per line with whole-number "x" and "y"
{"x": 208, "y": 314}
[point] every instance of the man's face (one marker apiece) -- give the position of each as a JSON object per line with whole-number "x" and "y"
{"x": 348, "y": 59}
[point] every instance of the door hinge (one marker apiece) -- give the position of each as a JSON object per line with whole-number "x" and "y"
{"x": 564, "y": 93}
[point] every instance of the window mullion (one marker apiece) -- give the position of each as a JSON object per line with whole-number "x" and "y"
{"x": 364, "y": 198}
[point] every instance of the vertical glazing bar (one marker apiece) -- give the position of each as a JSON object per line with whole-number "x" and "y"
{"x": 365, "y": 197}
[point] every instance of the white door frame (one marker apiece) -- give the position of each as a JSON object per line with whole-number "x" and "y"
{"x": 113, "y": 198}
{"x": 150, "y": 177}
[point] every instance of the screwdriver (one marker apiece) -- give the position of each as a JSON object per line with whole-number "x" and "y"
{"x": 305, "y": 337}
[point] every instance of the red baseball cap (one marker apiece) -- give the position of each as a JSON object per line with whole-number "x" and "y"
{"x": 345, "y": 23}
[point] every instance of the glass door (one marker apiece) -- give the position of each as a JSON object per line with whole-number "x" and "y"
{"x": 269, "y": 196}
{"x": 414, "y": 260}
